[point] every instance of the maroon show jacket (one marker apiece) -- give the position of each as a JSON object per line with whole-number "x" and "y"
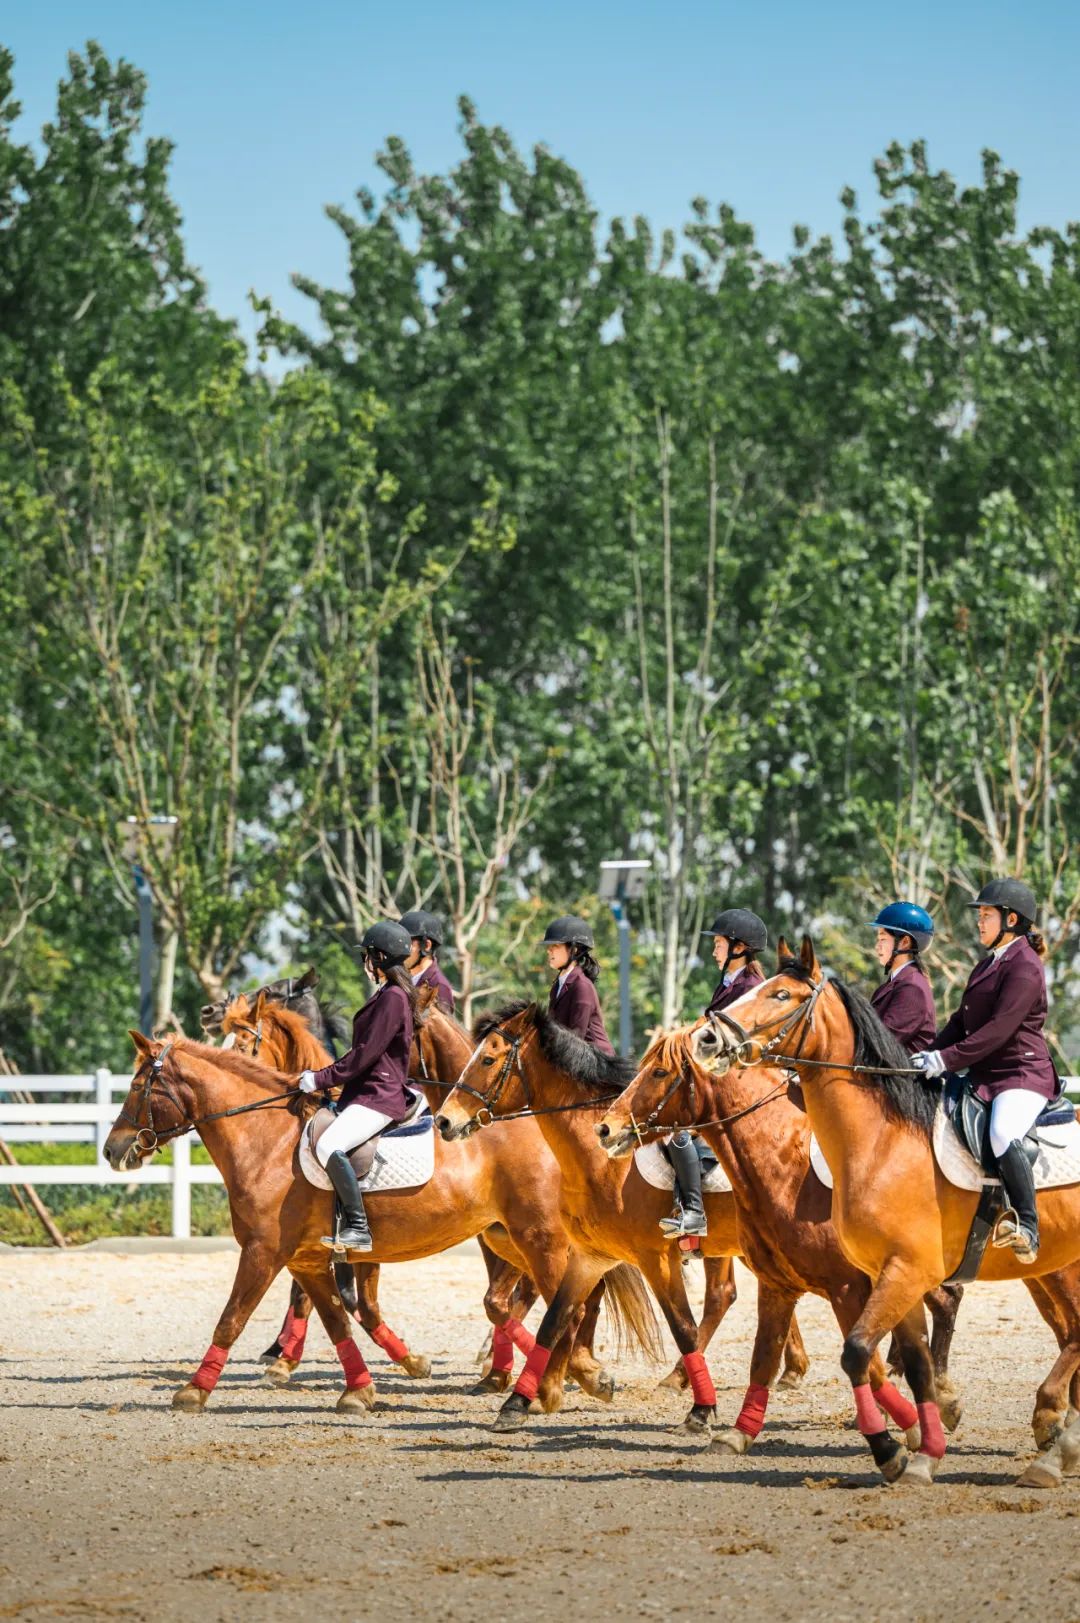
{"x": 376, "y": 1068}
{"x": 577, "y": 1007}
{"x": 433, "y": 976}
{"x": 745, "y": 981}
{"x": 996, "y": 1033}
{"x": 905, "y": 1004}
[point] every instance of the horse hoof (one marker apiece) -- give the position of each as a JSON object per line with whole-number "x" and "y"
{"x": 1041, "y": 1473}
{"x": 731, "y": 1442}
{"x": 913, "y": 1437}
{"x": 893, "y": 1469}
{"x": 191, "y": 1399}
{"x": 279, "y": 1372}
{"x": 604, "y": 1388}
{"x": 355, "y": 1398}
{"x": 1048, "y": 1430}
{"x": 951, "y": 1412}
{"x": 919, "y": 1471}
{"x": 496, "y": 1380}
{"x": 676, "y": 1381}
{"x": 790, "y": 1379}
{"x": 512, "y": 1416}
{"x": 697, "y": 1423}
{"x": 416, "y": 1366}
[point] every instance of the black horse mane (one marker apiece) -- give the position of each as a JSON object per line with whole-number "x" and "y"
{"x": 907, "y": 1099}
{"x": 569, "y": 1053}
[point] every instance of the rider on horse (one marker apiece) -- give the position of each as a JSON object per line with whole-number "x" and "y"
{"x": 738, "y": 936}
{"x": 372, "y": 1075}
{"x": 425, "y": 930}
{"x": 573, "y": 1000}
{"x": 904, "y": 1002}
{"x": 996, "y": 1035}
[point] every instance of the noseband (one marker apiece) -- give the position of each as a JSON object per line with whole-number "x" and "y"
{"x": 511, "y": 1066}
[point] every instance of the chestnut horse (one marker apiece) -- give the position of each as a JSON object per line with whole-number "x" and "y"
{"x": 759, "y": 1132}
{"x": 527, "y": 1063}
{"x": 250, "y": 1119}
{"x": 897, "y": 1217}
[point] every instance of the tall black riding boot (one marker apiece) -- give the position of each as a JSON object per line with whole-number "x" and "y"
{"x": 354, "y": 1233}
{"x": 689, "y": 1214}
{"x": 1018, "y": 1228}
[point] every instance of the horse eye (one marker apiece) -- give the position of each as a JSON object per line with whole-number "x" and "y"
{"x": 488, "y": 1059}
{"x": 783, "y": 997}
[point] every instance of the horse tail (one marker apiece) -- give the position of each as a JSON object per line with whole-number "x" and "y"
{"x": 631, "y": 1314}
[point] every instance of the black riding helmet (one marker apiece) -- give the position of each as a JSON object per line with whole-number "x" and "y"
{"x": 568, "y": 931}
{"x": 423, "y": 925}
{"x": 1008, "y": 896}
{"x": 386, "y": 944}
{"x": 739, "y": 924}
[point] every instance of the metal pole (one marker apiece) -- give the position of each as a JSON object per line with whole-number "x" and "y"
{"x": 146, "y": 951}
{"x": 625, "y": 1034}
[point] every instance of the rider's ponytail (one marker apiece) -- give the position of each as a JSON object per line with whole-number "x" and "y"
{"x": 917, "y": 963}
{"x": 1036, "y": 942}
{"x": 585, "y": 961}
{"x": 396, "y": 976}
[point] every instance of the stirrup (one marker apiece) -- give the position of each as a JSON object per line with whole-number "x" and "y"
{"x": 1011, "y": 1235}
{"x": 342, "y": 1245}
{"x": 684, "y": 1225}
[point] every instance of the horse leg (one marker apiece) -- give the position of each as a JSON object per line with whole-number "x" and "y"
{"x": 898, "y": 1291}
{"x": 284, "y": 1354}
{"x": 943, "y": 1305}
{"x": 664, "y": 1275}
{"x": 579, "y": 1277}
{"x": 1052, "y": 1400}
{"x": 505, "y": 1307}
{"x": 774, "y": 1316}
{"x": 256, "y": 1271}
{"x": 584, "y": 1367}
{"x": 359, "y": 1390}
{"x": 796, "y": 1357}
{"x": 369, "y": 1317}
{"x": 919, "y": 1372}
{"x": 720, "y": 1294}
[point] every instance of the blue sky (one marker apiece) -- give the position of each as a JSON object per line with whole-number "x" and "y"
{"x": 277, "y": 109}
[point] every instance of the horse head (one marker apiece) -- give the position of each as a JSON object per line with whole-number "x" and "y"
{"x": 662, "y": 1096}
{"x": 492, "y": 1083}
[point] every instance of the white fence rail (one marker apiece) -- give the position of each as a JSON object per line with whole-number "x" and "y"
{"x": 49, "y": 1121}
{"x": 66, "y": 1122}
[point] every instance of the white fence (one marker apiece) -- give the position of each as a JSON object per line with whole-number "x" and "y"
{"x": 46, "y": 1122}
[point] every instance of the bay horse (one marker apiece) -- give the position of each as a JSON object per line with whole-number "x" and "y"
{"x": 279, "y": 1035}
{"x": 250, "y": 1119}
{"x": 897, "y": 1217}
{"x": 526, "y": 1063}
{"x": 760, "y": 1134}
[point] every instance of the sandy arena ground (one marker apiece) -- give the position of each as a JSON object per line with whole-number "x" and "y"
{"x": 270, "y": 1505}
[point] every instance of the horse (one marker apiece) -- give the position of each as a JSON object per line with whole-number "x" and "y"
{"x": 265, "y": 1026}
{"x": 760, "y": 1135}
{"x": 327, "y": 1024}
{"x": 896, "y": 1216}
{"x": 250, "y": 1118}
{"x": 527, "y": 1063}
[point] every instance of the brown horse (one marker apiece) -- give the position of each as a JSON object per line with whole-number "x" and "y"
{"x": 897, "y": 1217}
{"x": 759, "y": 1132}
{"x": 244, "y": 1113}
{"x": 527, "y": 1062}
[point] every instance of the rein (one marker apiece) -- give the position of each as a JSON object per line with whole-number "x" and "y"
{"x": 803, "y": 1015}
{"x": 149, "y": 1139}
{"x": 511, "y": 1065}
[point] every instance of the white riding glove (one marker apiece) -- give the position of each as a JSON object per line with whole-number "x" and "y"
{"x": 306, "y": 1082}
{"x": 929, "y": 1062}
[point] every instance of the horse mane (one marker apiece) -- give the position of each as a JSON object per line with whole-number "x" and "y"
{"x": 563, "y": 1048}
{"x": 906, "y": 1099}
{"x": 671, "y": 1049}
{"x": 233, "y": 1061}
{"x": 295, "y": 1026}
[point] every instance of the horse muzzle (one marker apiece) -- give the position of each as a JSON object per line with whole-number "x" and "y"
{"x": 127, "y": 1151}
{"x": 454, "y": 1127}
{"x": 617, "y": 1139}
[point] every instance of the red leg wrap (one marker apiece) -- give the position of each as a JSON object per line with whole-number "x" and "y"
{"x": 528, "y": 1382}
{"x": 933, "y": 1438}
{"x": 392, "y": 1345}
{"x": 869, "y": 1416}
{"x": 292, "y": 1337}
{"x": 206, "y": 1376}
{"x": 523, "y": 1339}
{"x": 752, "y": 1414}
{"x": 700, "y": 1380}
{"x": 356, "y": 1371}
{"x": 502, "y": 1350}
{"x": 896, "y": 1406}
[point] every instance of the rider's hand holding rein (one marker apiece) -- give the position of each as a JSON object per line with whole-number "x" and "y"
{"x": 929, "y": 1062}
{"x": 306, "y": 1082}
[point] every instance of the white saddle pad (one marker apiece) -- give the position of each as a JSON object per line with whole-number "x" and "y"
{"x": 1058, "y": 1163}
{"x": 401, "y": 1162}
{"x": 819, "y": 1163}
{"x": 656, "y": 1169}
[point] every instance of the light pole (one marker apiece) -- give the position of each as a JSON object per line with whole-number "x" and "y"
{"x": 621, "y": 882}
{"x": 135, "y": 833}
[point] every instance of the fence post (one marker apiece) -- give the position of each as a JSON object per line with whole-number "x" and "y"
{"x": 181, "y": 1188}
{"x": 103, "y": 1094}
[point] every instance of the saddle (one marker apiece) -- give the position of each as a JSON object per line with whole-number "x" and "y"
{"x": 389, "y": 1160}
{"x": 970, "y": 1119}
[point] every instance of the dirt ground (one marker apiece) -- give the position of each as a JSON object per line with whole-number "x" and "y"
{"x": 270, "y": 1505}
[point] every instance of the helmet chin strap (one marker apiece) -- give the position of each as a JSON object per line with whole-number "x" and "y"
{"x": 730, "y": 954}
{"x": 1003, "y": 915}
{"x": 897, "y": 952}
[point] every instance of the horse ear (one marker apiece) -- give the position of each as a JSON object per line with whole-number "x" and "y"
{"x": 808, "y": 957}
{"x": 260, "y": 1005}
{"x": 425, "y": 997}
{"x": 143, "y": 1045}
{"x": 308, "y": 979}
{"x": 783, "y": 951}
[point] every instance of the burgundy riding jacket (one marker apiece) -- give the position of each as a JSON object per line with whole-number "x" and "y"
{"x": 905, "y": 1005}
{"x": 745, "y": 981}
{"x": 433, "y": 976}
{"x": 996, "y": 1033}
{"x": 578, "y": 1008}
{"x": 376, "y": 1068}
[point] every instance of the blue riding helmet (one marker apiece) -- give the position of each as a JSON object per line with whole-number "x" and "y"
{"x": 906, "y": 918}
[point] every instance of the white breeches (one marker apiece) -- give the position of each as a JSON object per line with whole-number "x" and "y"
{"x": 1011, "y": 1115}
{"x": 352, "y": 1126}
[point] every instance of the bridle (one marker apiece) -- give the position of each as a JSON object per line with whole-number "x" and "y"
{"x": 147, "y": 1136}
{"x": 255, "y": 1031}
{"x": 512, "y": 1066}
